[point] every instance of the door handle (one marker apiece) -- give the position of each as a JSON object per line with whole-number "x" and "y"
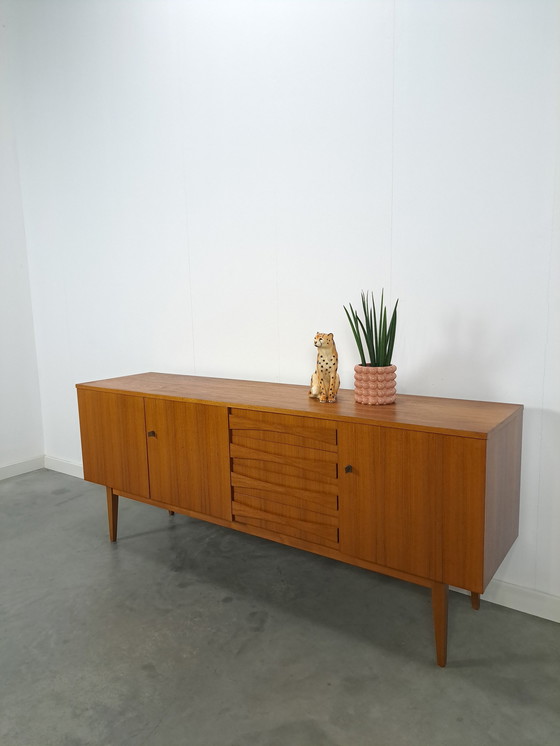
{"x": 152, "y": 434}
{"x": 348, "y": 469}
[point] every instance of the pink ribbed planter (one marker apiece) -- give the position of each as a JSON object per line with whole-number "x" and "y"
{"x": 375, "y": 385}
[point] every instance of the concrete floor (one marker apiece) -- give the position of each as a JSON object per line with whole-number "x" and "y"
{"x": 188, "y": 633}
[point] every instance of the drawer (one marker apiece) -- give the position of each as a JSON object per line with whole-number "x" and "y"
{"x": 319, "y": 502}
{"x": 283, "y": 428}
{"x": 254, "y": 447}
{"x": 286, "y": 520}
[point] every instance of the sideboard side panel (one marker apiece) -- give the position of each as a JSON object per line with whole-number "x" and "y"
{"x": 502, "y": 494}
{"x": 114, "y": 441}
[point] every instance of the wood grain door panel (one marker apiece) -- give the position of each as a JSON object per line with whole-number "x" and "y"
{"x": 409, "y": 538}
{"x": 189, "y": 456}
{"x": 464, "y": 481}
{"x": 359, "y": 466}
{"x": 390, "y": 501}
{"x": 114, "y": 441}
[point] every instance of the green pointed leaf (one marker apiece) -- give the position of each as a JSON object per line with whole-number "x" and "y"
{"x": 378, "y": 336}
{"x": 354, "y": 319}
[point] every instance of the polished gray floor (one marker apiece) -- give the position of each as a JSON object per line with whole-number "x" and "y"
{"x": 187, "y": 633}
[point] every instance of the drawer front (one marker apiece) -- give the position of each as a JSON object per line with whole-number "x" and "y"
{"x": 318, "y": 434}
{"x": 284, "y": 475}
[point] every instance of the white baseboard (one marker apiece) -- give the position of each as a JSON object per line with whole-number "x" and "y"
{"x": 72, "y": 468}
{"x": 519, "y": 598}
{"x": 14, "y": 470}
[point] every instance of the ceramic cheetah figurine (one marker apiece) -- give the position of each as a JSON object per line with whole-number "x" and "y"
{"x": 325, "y": 380}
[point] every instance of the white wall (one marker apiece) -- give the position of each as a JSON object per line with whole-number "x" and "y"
{"x": 21, "y": 435}
{"x": 205, "y": 184}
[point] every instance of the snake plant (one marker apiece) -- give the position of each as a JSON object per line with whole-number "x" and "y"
{"x": 378, "y": 337}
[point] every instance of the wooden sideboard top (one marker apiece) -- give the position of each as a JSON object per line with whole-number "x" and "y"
{"x": 462, "y": 417}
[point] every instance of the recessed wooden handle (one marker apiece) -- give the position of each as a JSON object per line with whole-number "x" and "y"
{"x": 348, "y": 469}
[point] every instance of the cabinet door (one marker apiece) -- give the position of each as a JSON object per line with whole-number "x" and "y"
{"x": 114, "y": 441}
{"x": 464, "y": 477}
{"x": 390, "y": 501}
{"x": 189, "y": 456}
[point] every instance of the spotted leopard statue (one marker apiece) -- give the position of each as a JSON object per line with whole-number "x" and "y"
{"x": 325, "y": 380}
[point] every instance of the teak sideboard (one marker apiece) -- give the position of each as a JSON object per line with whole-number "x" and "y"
{"x": 425, "y": 489}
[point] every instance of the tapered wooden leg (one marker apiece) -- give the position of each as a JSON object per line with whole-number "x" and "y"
{"x": 439, "y": 610}
{"x": 475, "y": 600}
{"x": 112, "y": 513}
{"x": 171, "y": 512}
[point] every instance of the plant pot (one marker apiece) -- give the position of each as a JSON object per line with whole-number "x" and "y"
{"x": 375, "y": 385}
